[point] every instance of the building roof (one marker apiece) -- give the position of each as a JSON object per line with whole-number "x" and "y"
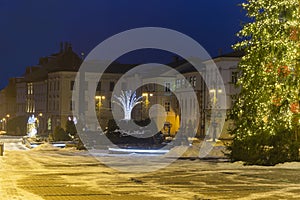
{"x": 68, "y": 60}
{"x": 65, "y": 60}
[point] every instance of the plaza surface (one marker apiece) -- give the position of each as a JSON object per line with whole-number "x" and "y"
{"x": 55, "y": 174}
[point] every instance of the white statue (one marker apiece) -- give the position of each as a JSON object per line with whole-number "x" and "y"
{"x": 31, "y": 126}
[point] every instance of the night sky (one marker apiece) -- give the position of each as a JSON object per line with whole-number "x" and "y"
{"x": 31, "y": 29}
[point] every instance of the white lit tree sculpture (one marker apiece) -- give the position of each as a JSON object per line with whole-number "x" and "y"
{"x": 127, "y": 101}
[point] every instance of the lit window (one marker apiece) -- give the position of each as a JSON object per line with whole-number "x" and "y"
{"x": 29, "y": 88}
{"x": 49, "y": 124}
{"x": 177, "y": 83}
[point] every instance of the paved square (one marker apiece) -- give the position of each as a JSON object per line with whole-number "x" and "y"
{"x": 65, "y": 174}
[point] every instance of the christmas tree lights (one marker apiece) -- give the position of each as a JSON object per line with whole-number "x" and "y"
{"x": 266, "y": 112}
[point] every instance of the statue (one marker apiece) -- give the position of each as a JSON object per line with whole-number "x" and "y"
{"x": 31, "y": 126}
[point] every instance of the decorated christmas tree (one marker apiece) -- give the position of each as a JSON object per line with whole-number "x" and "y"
{"x": 266, "y": 111}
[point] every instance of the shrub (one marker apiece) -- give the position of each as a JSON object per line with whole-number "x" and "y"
{"x": 60, "y": 134}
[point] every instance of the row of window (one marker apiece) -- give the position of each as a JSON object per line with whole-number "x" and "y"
{"x": 99, "y": 86}
{"x": 53, "y": 105}
{"x": 180, "y": 83}
{"x": 167, "y": 105}
{"x": 30, "y": 106}
{"x": 54, "y": 85}
{"x": 98, "y": 105}
{"x": 29, "y": 88}
{"x": 188, "y": 104}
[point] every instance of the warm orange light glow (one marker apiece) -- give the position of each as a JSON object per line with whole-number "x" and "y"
{"x": 99, "y": 97}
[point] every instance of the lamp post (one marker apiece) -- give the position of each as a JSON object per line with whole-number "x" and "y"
{"x": 6, "y": 122}
{"x": 3, "y": 123}
{"x": 99, "y": 102}
{"x": 214, "y": 106}
{"x": 146, "y": 95}
{"x": 100, "y": 99}
{"x": 39, "y": 123}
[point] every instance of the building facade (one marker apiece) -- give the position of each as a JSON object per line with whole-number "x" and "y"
{"x": 46, "y": 92}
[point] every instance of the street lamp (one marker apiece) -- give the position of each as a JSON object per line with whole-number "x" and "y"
{"x": 146, "y": 95}
{"x": 214, "y": 106}
{"x": 6, "y": 121}
{"x": 100, "y": 99}
{"x": 40, "y": 123}
{"x": 3, "y": 123}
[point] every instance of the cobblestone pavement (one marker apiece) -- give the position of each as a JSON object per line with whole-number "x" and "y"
{"x": 60, "y": 174}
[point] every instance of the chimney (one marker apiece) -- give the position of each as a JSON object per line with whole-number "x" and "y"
{"x": 61, "y": 47}
{"x": 66, "y": 46}
{"x": 69, "y": 46}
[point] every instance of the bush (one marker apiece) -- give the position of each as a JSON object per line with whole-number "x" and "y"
{"x": 60, "y": 134}
{"x": 264, "y": 149}
{"x": 70, "y": 128}
{"x": 17, "y": 126}
{"x": 112, "y": 125}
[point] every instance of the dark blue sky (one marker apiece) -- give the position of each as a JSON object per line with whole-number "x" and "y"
{"x": 34, "y": 28}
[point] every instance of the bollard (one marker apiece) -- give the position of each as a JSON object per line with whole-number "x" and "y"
{"x": 1, "y": 148}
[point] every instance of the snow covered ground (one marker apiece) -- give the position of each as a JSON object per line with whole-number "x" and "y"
{"x": 51, "y": 173}
{"x": 12, "y": 142}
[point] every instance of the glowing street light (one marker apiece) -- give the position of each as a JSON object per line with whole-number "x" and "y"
{"x": 214, "y": 105}
{"x": 147, "y": 95}
{"x": 100, "y": 99}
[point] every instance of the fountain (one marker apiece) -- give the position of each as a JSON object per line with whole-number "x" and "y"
{"x": 130, "y": 134}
